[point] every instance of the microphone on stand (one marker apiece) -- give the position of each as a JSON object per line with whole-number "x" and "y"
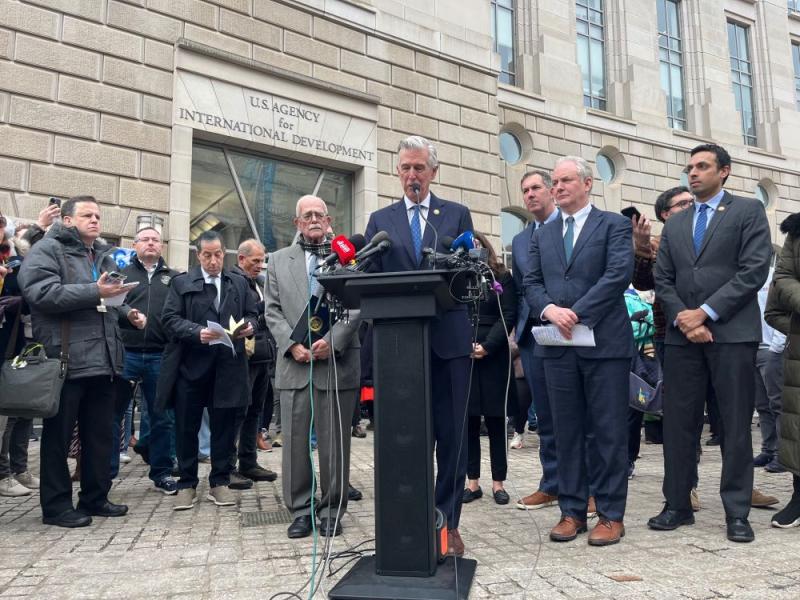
{"x": 415, "y": 187}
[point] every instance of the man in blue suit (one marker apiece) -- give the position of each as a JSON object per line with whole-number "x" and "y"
{"x": 580, "y": 266}
{"x": 421, "y": 220}
{"x": 540, "y": 203}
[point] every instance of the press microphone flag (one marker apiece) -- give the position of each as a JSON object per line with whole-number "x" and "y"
{"x": 342, "y": 251}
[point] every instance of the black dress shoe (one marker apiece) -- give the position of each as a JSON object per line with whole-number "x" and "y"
{"x": 330, "y": 527}
{"x": 353, "y": 494}
{"x": 300, "y": 527}
{"x": 69, "y": 518}
{"x": 470, "y": 495}
{"x": 739, "y": 530}
{"x": 713, "y": 441}
{"x": 107, "y": 509}
{"x": 358, "y": 432}
{"x": 670, "y": 519}
{"x": 501, "y": 496}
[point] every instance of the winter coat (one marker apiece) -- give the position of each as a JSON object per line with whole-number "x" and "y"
{"x": 785, "y": 295}
{"x": 265, "y": 349}
{"x": 148, "y": 297}
{"x": 58, "y": 283}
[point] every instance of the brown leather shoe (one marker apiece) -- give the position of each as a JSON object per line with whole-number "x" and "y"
{"x": 591, "y": 508}
{"x": 606, "y": 533}
{"x": 760, "y": 500}
{"x": 455, "y": 545}
{"x": 567, "y": 529}
{"x": 536, "y": 500}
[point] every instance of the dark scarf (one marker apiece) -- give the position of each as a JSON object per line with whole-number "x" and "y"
{"x": 323, "y": 249}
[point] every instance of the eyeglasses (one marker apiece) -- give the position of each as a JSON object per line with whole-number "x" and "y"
{"x": 309, "y": 216}
{"x": 680, "y": 204}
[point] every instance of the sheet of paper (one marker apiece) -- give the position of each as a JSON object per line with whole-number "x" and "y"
{"x": 549, "y": 335}
{"x": 120, "y": 300}
{"x": 224, "y": 339}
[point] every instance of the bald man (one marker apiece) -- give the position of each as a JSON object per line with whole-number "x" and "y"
{"x": 261, "y": 361}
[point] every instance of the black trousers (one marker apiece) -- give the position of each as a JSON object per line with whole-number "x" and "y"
{"x": 90, "y": 402}
{"x": 497, "y": 447}
{"x": 731, "y": 370}
{"x": 247, "y": 424}
{"x": 190, "y": 399}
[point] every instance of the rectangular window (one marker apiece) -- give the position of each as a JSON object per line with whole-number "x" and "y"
{"x": 670, "y": 53}
{"x": 794, "y": 5}
{"x": 796, "y": 63}
{"x": 503, "y": 33}
{"x": 244, "y": 195}
{"x": 742, "y": 79}
{"x": 591, "y": 51}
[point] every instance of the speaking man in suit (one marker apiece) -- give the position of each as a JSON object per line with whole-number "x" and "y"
{"x": 541, "y": 204}
{"x": 711, "y": 262}
{"x": 580, "y": 265}
{"x": 419, "y": 220}
{"x": 208, "y": 376}
{"x": 327, "y": 373}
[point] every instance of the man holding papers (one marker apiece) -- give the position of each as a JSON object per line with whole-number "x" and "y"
{"x": 581, "y": 263}
{"x": 209, "y": 374}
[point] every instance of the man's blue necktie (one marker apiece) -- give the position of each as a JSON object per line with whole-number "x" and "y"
{"x": 569, "y": 237}
{"x": 313, "y": 284}
{"x": 416, "y": 234}
{"x": 700, "y": 227}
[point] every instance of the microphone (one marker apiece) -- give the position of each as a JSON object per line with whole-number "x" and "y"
{"x": 365, "y": 254}
{"x": 376, "y": 240}
{"x": 463, "y": 243}
{"x": 342, "y": 251}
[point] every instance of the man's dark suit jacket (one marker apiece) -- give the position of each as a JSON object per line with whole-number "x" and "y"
{"x": 591, "y": 284}
{"x": 731, "y": 267}
{"x": 190, "y": 303}
{"x": 520, "y": 256}
{"x": 450, "y": 334}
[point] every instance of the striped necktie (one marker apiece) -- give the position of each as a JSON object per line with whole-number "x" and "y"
{"x": 700, "y": 227}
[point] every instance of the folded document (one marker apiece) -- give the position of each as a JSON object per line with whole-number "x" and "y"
{"x": 549, "y": 335}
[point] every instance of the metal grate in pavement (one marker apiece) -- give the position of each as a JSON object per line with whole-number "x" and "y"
{"x": 265, "y": 517}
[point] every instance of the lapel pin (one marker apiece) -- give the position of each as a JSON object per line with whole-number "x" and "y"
{"x": 436, "y": 211}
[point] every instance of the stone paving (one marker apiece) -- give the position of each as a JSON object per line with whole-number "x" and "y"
{"x": 207, "y": 553}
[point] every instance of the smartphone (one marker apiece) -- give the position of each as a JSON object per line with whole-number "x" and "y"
{"x": 56, "y": 201}
{"x": 630, "y": 212}
{"x": 13, "y": 263}
{"x": 115, "y": 277}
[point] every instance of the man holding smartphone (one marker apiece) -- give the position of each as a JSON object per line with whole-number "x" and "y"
{"x": 64, "y": 279}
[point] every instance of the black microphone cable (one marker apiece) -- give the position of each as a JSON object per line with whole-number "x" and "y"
{"x": 461, "y": 436}
{"x": 505, "y": 421}
{"x": 416, "y": 187}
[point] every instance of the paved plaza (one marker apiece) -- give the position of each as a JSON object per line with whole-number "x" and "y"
{"x": 212, "y": 553}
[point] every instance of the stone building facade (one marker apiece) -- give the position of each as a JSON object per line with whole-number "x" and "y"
{"x": 220, "y": 113}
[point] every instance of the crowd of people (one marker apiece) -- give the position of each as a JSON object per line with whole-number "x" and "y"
{"x": 217, "y": 347}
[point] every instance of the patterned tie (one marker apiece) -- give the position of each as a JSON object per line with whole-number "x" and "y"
{"x": 700, "y": 227}
{"x": 416, "y": 234}
{"x": 569, "y": 237}
{"x": 313, "y": 284}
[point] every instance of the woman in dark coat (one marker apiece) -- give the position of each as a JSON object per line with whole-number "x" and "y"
{"x": 490, "y": 380}
{"x": 783, "y": 313}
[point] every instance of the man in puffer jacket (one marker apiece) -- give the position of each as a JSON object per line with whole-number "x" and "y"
{"x": 65, "y": 281}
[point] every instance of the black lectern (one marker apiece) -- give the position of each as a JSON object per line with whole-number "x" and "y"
{"x": 405, "y": 565}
